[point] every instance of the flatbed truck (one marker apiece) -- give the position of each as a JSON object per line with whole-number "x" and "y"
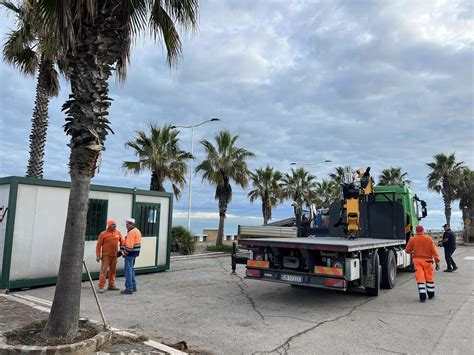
{"x": 332, "y": 260}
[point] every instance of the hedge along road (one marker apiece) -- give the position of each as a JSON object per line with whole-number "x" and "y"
{"x": 200, "y": 302}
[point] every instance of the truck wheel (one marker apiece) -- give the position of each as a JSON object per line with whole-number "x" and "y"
{"x": 374, "y": 291}
{"x": 389, "y": 269}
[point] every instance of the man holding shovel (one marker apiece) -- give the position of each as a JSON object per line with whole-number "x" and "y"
{"x": 106, "y": 250}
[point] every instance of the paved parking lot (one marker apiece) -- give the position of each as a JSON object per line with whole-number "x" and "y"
{"x": 200, "y": 302}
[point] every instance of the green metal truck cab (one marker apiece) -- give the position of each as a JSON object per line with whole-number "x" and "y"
{"x": 414, "y": 208}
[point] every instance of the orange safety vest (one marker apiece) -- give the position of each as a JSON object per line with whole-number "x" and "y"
{"x": 132, "y": 243}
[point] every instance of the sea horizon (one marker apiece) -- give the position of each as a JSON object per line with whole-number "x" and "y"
{"x": 230, "y": 224}
{"x": 198, "y": 224}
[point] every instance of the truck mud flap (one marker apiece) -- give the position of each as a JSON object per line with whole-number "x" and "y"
{"x": 370, "y": 278}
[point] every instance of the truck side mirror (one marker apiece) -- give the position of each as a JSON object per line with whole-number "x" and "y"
{"x": 424, "y": 211}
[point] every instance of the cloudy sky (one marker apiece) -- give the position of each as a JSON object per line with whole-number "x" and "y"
{"x": 361, "y": 83}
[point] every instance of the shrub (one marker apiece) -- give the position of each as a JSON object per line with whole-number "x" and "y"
{"x": 183, "y": 242}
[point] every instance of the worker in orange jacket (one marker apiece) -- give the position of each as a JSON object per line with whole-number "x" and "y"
{"x": 130, "y": 250}
{"x": 423, "y": 249}
{"x": 106, "y": 251}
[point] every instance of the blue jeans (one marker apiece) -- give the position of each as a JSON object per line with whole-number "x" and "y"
{"x": 129, "y": 271}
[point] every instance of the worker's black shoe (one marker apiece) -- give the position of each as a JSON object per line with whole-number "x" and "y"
{"x": 134, "y": 289}
{"x": 455, "y": 268}
{"x": 423, "y": 300}
{"x": 126, "y": 292}
{"x": 448, "y": 270}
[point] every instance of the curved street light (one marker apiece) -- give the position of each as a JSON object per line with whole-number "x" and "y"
{"x": 191, "y": 160}
{"x": 317, "y": 162}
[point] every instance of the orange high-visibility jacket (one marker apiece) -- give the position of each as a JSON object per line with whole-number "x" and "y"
{"x": 422, "y": 247}
{"x": 109, "y": 242}
{"x": 132, "y": 243}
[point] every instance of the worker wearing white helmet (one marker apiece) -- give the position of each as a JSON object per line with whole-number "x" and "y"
{"x": 130, "y": 250}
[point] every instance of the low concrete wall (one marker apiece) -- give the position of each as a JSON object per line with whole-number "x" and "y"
{"x": 205, "y": 238}
{"x": 211, "y": 234}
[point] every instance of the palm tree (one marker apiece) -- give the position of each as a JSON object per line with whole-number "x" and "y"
{"x": 224, "y": 162}
{"x": 33, "y": 50}
{"x": 465, "y": 194}
{"x": 266, "y": 183}
{"x": 97, "y": 36}
{"x": 160, "y": 152}
{"x": 393, "y": 176}
{"x": 299, "y": 186}
{"x": 442, "y": 179}
{"x": 337, "y": 177}
{"x": 326, "y": 192}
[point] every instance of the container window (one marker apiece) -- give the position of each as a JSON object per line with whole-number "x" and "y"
{"x": 147, "y": 217}
{"x": 96, "y": 218}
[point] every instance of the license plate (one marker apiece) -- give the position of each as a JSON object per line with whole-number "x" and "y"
{"x": 291, "y": 278}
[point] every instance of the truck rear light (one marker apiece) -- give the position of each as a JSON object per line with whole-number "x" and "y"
{"x": 257, "y": 263}
{"x": 334, "y": 271}
{"x": 335, "y": 283}
{"x": 254, "y": 273}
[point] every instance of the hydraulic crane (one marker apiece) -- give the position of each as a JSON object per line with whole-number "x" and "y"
{"x": 355, "y": 188}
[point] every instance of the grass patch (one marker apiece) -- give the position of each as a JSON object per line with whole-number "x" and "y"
{"x": 220, "y": 248}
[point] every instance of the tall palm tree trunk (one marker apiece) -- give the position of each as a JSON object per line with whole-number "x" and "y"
{"x": 264, "y": 212}
{"x": 447, "y": 208}
{"x": 465, "y": 215}
{"x": 87, "y": 124}
{"x": 64, "y": 317}
{"x": 222, "y": 211}
{"x": 156, "y": 184}
{"x": 85, "y": 149}
{"x": 39, "y": 121}
{"x": 220, "y": 231}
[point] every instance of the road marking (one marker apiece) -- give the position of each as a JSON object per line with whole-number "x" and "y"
{"x": 28, "y": 303}
{"x": 469, "y": 258}
{"x": 34, "y": 299}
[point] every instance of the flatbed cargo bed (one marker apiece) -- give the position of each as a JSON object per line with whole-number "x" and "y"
{"x": 324, "y": 243}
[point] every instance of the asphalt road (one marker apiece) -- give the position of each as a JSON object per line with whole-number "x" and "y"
{"x": 198, "y": 301}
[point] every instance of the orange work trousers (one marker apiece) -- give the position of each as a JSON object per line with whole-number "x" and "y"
{"x": 109, "y": 263}
{"x": 424, "y": 271}
{"x": 424, "y": 274}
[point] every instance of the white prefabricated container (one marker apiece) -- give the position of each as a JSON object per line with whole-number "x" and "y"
{"x": 33, "y": 217}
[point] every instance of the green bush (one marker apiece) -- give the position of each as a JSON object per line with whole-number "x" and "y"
{"x": 183, "y": 242}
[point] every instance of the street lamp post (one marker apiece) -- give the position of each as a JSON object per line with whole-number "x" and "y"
{"x": 191, "y": 161}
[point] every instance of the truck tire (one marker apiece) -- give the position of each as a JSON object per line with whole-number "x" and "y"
{"x": 389, "y": 269}
{"x": 374, "y": 291}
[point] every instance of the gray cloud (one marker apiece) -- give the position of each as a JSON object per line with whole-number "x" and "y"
{"x": 374, "y": 83}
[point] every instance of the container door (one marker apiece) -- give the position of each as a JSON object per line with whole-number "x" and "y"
{"x": 147, "y": 219}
